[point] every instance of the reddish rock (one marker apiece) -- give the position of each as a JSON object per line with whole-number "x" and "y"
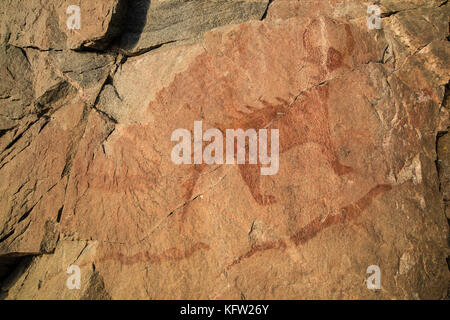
{"x": 358, "y": 113}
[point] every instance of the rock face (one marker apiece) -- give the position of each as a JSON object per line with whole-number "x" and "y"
{"x": 150, "y": 24}
{"x": 88, "y": 177}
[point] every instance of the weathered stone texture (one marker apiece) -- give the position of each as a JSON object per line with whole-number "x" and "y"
{"x": 85, "y": 152}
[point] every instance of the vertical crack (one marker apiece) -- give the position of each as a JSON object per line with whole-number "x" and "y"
{"x": 264, "y": 16}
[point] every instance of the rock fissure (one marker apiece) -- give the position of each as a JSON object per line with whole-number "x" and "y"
{"x": 86, "y": 118}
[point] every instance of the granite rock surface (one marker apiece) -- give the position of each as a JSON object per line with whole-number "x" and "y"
{"x": 87, "y": 178}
